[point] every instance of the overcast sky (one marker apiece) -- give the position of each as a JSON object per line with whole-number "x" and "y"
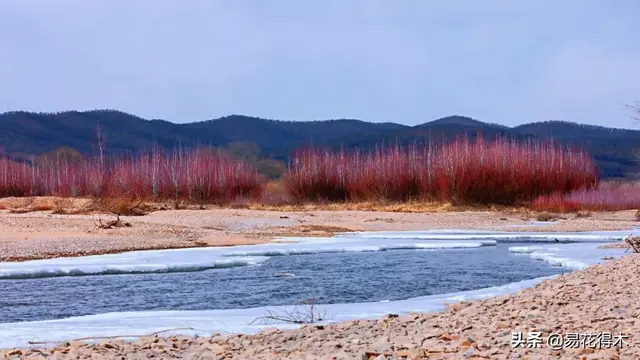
{"x": 403, "y": 61}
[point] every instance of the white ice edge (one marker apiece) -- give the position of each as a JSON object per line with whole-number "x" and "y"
{"x": 570, "y": 256}
{"x": 195, "y": 259}
{"x": 494, "y": 235}
{"x": 225, "y": 321}
{"x": 574, "y": 256}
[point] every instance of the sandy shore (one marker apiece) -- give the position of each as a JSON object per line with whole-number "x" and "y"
{"x": 601, "y": 299}
{"x": 41, "y": 234}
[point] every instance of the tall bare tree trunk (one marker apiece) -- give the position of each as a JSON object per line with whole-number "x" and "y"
{"x": 102, "y": 142}
{"x": 635, "y": 108}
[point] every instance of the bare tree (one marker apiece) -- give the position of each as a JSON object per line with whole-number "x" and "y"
{"x": 33, "y": 175}
{"x": 176, "y": 172}
{"x": 304, "y": 312}
{"x": 155, "y": 170}
{"x": 102, "y": 143}
{"x": 635, "y": 107}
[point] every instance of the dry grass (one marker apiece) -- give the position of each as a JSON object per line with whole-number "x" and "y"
{"x": 20, "y": 211}
{"x": 400, "y": 207}
{"x": 322, "y": 228}
{"x": 385, "y": 220}
{"x": 63, "y": 206}
{"x": 132, "y": 206}
{"x": 39, "y": 203}
{"x": 28, "y": 204}
{"x": 545, "y": 216}
{"x": 583, "y": 214}
{"x": 310, "y": 230}
{"x": 126, "y": 206}
{"x": 275, "y": 193}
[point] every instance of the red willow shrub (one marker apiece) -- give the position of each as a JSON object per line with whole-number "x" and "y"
{"x": 462, "y": 171}
{"x": 16, "y": 179}
{"x": 600, "y": 199}
{"x": 508, "y": 172}
{"x": 199, "y": 175}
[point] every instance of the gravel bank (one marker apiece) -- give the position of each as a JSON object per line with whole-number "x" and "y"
{"x": 602, "y": 298}
{"x": 39, "y": 235}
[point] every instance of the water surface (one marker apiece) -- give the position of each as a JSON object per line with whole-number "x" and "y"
{"x": 327, "y": 277}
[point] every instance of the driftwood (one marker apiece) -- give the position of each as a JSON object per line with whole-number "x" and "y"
{"x": 633, "y": 242}
{"x": 112, "y": 224}
{"x": 304, "y": 312}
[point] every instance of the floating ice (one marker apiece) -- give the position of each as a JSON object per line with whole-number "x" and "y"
{"x": 528, "y": 249}
{"x": 570, "y": 256}
{"x": 69, "y": 267}
{"x": 356, "y": 247}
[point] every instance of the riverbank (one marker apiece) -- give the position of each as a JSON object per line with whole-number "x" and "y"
{"x": 42, "y": 234}
{"x": 601, "y": 299}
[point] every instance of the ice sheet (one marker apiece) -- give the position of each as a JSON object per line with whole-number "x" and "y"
{"x": 571, "y": 256}
{"x": 196, "y": 259}
{"x": 598, "y": 236}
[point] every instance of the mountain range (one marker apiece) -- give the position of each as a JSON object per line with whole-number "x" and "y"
{"x": 26, "y": 133}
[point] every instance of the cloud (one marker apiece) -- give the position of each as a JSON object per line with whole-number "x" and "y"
{"x": 410, "y": 61}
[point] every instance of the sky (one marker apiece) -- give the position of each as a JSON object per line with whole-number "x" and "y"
{"x": 404, "y": 61}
